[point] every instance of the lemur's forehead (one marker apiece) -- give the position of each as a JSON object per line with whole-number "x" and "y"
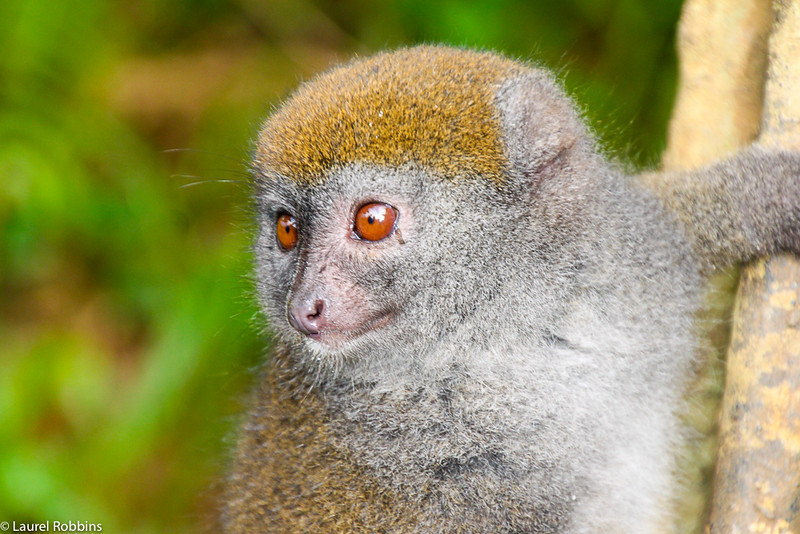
{"x": 429, "y": 105}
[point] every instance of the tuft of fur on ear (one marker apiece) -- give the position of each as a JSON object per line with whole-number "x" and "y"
{"x": 539, "y": 122}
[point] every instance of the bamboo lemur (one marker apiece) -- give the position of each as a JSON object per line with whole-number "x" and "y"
{"x": 483, "y": 325}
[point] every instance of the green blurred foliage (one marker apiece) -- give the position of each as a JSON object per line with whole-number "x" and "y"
{"x": 128, "y": 328}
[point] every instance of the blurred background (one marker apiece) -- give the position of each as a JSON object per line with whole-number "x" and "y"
{"x": 128, "y": 329}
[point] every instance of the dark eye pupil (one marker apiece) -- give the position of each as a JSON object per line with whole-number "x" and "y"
{"x": 287, "y": 228}
{"x": 371, "y": 219}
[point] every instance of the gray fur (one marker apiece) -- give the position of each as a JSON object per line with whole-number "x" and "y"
{"x": 542, "y": 332}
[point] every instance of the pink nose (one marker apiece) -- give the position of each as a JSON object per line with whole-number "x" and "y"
{"x": 308, "y": 317}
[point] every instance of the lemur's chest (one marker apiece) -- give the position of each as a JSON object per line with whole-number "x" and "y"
{"x": 395, "y": 462}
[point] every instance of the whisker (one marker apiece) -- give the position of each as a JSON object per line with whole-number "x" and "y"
{"x": 191, "y": 184}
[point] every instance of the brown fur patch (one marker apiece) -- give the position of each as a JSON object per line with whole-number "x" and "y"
{"x": 429, "y": 105}
{"x": 289, "y": 476}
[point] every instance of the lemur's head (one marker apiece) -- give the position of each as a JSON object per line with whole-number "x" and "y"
{"x": 406, "y": 185}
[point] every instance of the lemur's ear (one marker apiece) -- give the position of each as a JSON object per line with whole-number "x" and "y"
{"x": 539, "y": 122}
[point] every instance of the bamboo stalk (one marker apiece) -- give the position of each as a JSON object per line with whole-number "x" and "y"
{"x": 757, "y": 481}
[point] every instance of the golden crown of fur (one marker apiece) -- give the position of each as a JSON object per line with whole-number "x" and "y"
{"x": 430, "y": 105}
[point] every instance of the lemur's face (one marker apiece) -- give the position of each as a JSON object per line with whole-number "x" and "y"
{"x": 342, "y": 266}
{"x": 389, "y": 188}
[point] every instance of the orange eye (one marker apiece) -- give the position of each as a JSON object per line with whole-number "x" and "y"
{"x": 375, "y": 221}
{"x": 287, "y": 231}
